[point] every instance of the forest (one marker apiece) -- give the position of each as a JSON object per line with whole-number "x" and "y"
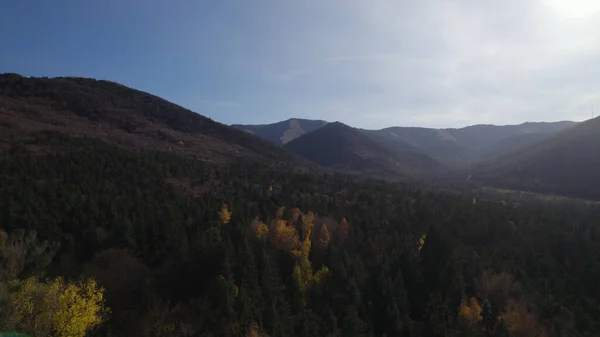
{"x": 99, "y": 240}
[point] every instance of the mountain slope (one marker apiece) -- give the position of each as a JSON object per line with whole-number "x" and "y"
{"x": 345, "y": 148}
{"x": 453, "y": 147}
{"x": 436, "y": 143}
{"x": 459, "y": 147}
{"x": 481, "y": 136}
{"x": 510, "y": 144}
{"x": 567, "y": 163}
{"x": 283, "y": 132}
{"x": 132, "y": 118}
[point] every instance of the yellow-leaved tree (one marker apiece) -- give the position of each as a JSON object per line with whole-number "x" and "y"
{"x": 284, "y": 236}
{"x": 224, "y": 214}
{"x": 259, "y": 228}
{"x": 421, "y": 242}
{"x": 55, "y": 309}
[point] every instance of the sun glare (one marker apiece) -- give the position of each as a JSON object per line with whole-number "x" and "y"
{"x": 574, "y": 8}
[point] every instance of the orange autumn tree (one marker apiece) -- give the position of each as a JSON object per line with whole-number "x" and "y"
{"x": 284, "y": 236}
{"x": 471, "y": 311}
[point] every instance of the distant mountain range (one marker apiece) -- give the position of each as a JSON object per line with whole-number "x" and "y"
{"x": 339, "y": 146}
{"x": 560, "y": 157}
{"x": 452, "y": 147}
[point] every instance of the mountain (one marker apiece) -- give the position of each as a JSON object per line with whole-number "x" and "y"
{"x": 342, "y": 147}
{"x": 459, "y": 147}
{"x": 436, "y": 143}
{"x": 510, "y": 144}
{"x": 156, "y": 242}
{"x": 453, "y": 147}
{"x": 567, "y": 163}
{"x": 481, "y": 136}
{"x": 283, "y": 132}
{"x": 125, "y": 116}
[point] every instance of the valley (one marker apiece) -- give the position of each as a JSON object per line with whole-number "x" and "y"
{"x": 163, "y": 222}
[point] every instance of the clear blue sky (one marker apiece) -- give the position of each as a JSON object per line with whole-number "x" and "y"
{"x": 367, "y": 63}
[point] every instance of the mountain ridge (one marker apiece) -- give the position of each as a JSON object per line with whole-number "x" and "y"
{"x": 342, "y": 147}
{"x": 566, "y": 163}
{"x": 455, "y": 147}
{"x": 122, "y": 115}
{"x": 282, "y": 132}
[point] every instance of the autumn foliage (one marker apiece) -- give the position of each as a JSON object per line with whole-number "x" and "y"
{"x": 158, "y": 252}
{"x": 224, "y": 214}
{"x": 283, "y": 236}
{"x": 470, "y": 310}
{"x": 57, "y": 308}
{"x": 259, "y": 229}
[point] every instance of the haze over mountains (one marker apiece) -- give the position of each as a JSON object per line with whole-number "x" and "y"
{"x": 559, "y": 157}
{"x": 284, "y": 131}
{"x": 453, "y": 147}
{"x": 567, "y": 163}
{"x": 339, "y": 146}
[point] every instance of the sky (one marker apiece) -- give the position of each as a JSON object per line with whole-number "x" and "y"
{"x": 369, "y": 64}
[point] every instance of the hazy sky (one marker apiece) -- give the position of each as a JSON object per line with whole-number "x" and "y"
{"x": 368, "y": 63}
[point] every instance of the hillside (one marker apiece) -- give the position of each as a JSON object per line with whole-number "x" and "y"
{"x": 345, "y": 148}
{"x": 211, "y": 239}
{"x": 453, "y": 147}
{"x": 283, "y": 132}
{"x": 436, "y": 143}
{"x": 464, "y": 146}
{"x": 125, "y": 116}
{"x": 182, "y": 247}
{"x": 567, "y": 163}
{"x": 482, "y": 136}
{"x": 509, "y": 144}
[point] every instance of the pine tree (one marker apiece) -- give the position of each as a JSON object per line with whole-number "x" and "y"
{"x": 352, "y": 325}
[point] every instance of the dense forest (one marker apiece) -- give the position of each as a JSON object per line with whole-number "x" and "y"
{"x": 100, "y": 240}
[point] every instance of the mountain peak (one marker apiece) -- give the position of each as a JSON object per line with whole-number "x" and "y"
{"x": 283, "y": 132}
{"x": 342, "y": 147}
